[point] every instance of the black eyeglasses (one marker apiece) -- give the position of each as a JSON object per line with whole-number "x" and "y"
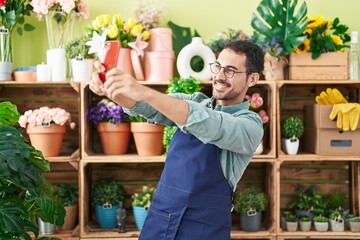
{"x": 228, "y": 71}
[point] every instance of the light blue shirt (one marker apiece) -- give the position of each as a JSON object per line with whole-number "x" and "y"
{"x": 235, "y": 129}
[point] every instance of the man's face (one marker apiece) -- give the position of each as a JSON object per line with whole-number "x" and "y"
{"x": 229, "y": 91}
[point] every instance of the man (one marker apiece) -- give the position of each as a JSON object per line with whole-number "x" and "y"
{"x": 209, "y": 152}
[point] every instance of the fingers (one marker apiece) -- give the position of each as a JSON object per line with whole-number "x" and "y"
{"x": 96, "y": 84}
{"x": 99, "y": 66}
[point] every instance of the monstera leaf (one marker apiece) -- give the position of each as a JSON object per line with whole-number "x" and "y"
{"x": 25, "y": 194}
{"x": 277, "y": 19}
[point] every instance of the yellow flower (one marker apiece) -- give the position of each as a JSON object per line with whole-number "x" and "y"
{"x": 130, "y": 23}
{"x": 304, "y": 47}
{"x": 113, "y": 31}
{"x": 145, "y": 35}
{"x": 101, "y": 21}
{"x": 136, "y": 30}
{"x": 337, "y": 41}
{"x": 316, "y": 21}
{"x": 117, "y": 19}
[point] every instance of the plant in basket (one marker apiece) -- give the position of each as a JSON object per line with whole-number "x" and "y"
{"x": 112, "y": 125}
{"x": 141, "y": 203}
{"x": 256, "y": 105}
{"x": 46, "y": 127}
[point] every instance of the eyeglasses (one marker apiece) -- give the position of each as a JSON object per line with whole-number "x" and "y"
{"x": 228, "y": 71}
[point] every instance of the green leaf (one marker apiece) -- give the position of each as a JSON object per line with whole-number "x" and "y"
{"x": 276, "y": 19}
{"x": 19, "y": 30}
{"x": 9, "y": 114}
{"x": 29, "y": 27}
{"x": 181, "y": 36}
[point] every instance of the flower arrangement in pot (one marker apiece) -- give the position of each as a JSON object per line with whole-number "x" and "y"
{"x": 46, "y": 127}
{"x": 141, "y": 203}
{"x": 81, "y": 61}
{"x": 292, "y": 129}
{"x": 250, "y": 203}
{"x": 106, "y": 196}
{"x": 112, "y": 126}
{"x": 256, "y": 105}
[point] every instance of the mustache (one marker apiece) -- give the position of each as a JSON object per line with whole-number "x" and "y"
{"x": 221, "y": 81}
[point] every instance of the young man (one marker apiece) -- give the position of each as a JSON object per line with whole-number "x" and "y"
{"x": 214, "y": 143}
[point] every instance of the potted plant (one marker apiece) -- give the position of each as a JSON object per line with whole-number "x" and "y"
{"x": 307, "y": 201}
{"x": 321, "y": 223}
{"x": 218, "y": 41}
{"x": 46, "y": 128}
{"x": 347, "y": 218}
{"x": 291, "y": 223}
{"x": 80, "y": 59}
{"x": 178, "y": 85}
{"x": 305, "y": 223}
{"x": 25, "y": 193}
{"x": 338, "y": 202}
{"x": 337, "y": 223}
{"x": 292, "y": 129}
{"x": 284, "y": 215}
{"x": 106, "y": 196}
{"x": 279, "y": 30}
{"x": 256, "y": 105}
{"x": 250, "y": 203}
{"x": 68, "y": 194}
{"x": 354, "y": 224}
{"x": 112, "y": 125}
{"x": 141, "y": 203}
{"x": 148, "y": 136}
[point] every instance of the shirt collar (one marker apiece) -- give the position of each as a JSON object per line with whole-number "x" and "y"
{"x": 231, "y": 109}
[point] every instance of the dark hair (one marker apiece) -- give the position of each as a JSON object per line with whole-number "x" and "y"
{"x": 254, "y": 54}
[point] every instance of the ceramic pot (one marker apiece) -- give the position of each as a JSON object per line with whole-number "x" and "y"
{"x": 114, "y": 137}
{"x": 259, "y": 149}
{"x": 337, "y": 225}
{"x": 47, "y": 139}
{"x": 290, "y": 146}
{"x": 124, "y": 60}
{"x": 321, "y": 226}
{"x": 106, "y": 215}
{"x": 140, "y": 214}
{"x": 291, "y": 226}
{"x": 161, "y": 40}
{"x": 148, "y": 138}
{"x": 305, "y": 226}
{"x": 250, "y": 222}
{"x": 159, "y": 66}
{"x": 81, "y": 69}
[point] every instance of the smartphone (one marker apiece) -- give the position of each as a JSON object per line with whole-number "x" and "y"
{"x": 111, "y": 58}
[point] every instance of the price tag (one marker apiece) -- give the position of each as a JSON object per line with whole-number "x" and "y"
{"x": 45, "y": 124}
{"x": 251, "y": 212}
{"x": 4, "y": 31}
{"x": 107, "y": 206}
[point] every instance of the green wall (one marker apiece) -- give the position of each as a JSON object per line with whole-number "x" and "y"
{"x": 207, "y": 17}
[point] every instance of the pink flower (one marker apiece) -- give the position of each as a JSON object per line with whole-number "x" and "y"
{"x": 256, "y": 100}
{"x": 41, "y": 7}
{"x": 83, "y": 10}
{"x": 43, "y": 115}
{"x": 264, "y": 117}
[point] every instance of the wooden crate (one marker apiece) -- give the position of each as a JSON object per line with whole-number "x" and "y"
{"x": 65, "y": 95}
{"x": 134, "y": 175}
{"x": 329, "y": 66}
{"x": 292, "y": 98}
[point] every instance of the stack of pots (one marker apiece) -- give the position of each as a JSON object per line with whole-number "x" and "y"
{"x": 159, "y": 60}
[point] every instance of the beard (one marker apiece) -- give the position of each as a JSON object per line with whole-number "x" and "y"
{"x": 227, "y": 93}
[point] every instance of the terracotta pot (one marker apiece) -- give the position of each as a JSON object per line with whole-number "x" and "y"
{"x": 47, "y": 139}
{"x": 148, "y": 138}
{"x": 70, "y": 217}
{"x": 114, "y": 137}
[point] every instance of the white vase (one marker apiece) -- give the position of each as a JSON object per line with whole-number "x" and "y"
{"x": 195, "y": 48}
{"x": 81, "y": 69}
{"x": 290, "y": 146}
{"x": 5, "y": 71}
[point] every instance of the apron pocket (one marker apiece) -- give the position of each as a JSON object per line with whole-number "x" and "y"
{"x": 159, "y": 225}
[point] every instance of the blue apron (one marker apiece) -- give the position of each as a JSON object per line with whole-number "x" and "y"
{"x": 193, "y": 198}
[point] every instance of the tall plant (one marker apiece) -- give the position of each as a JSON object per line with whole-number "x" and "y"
{"x": 25, "y": 194}
{"x": 277, "y": 20}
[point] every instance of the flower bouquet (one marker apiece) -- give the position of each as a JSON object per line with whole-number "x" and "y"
{"x": 46, "y": 128}
{"x": 256, "y": 102}
{"x": 60, "y": 18}
{"x": 112, "y": 126}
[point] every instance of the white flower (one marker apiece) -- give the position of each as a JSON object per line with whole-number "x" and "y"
{"x": 97, "y": 45}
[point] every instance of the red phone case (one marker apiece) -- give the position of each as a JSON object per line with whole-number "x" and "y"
{"x": 111, "y": 58}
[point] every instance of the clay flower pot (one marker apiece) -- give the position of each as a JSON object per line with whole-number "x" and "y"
{"x": 148, "y": 138}
{"x": 114, "y": 137}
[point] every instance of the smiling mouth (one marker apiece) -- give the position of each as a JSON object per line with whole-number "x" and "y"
{"x": 221, "y": 85}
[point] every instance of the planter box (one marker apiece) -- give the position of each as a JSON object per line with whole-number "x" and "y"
{"x": 329, "y": 66}
{"x": 321, "y": 135}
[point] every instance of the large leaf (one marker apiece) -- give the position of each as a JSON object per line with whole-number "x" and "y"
{"x": 181, "y": 36}
{"x": 277, "y": 19}
{"x": 9, "y": 114}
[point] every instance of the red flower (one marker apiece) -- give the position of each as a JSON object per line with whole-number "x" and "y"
{"x": 2, "y": 2}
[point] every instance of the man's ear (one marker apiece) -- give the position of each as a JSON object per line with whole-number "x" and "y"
{"x": 252, "y": 79}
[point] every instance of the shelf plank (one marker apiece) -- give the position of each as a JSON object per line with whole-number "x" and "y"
{"x": 320, "y": 235}
{"x": 316, "y": 157}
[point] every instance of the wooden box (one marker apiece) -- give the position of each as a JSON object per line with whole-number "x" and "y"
{"x": 329, "y": 66}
